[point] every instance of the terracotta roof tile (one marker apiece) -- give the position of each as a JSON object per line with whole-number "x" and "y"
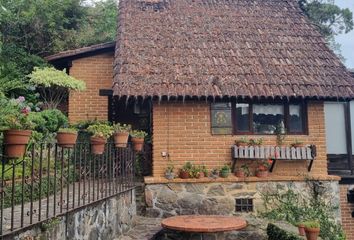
{"x": 80, "y": 51}
{"x": 221, "y": 48}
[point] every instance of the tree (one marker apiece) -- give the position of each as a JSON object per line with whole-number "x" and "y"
{"x": 40, "y": 27}
{"x": 54, "y": 85}
{"x": 31, "y": 29}
{"x": 328, "y": 17}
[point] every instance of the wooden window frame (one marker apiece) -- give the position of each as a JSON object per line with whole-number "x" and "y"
{"x": 286, "y": 117}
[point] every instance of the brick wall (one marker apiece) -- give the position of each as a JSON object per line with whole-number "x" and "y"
{"x": 183, "y": 130}
{"x": 346, "y": 212}
{"x": 97, "y": 72}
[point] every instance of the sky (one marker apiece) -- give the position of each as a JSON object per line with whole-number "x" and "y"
{"x": 347, "y": 40}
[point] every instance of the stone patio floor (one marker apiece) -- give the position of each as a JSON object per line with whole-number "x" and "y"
{"x": 144, "y": 229}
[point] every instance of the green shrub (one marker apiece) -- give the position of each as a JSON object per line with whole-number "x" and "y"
{"x": 48, "y": 121}
{"x": 276, "y": 233}
{"x": 290, "y": 206}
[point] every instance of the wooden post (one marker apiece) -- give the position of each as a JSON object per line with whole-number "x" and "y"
{"x": 348, "y": 131}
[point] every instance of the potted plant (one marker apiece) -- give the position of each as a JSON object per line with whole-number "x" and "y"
{"x": 204, "y": 170}
{"x": 301, "y": 228}
{"x": 121, "y": 134}
{"x": 197, "y": 172}
{"x": 186, "y": 170}
{"x": 18, "y": 126}
{"x": 100, "y": 132}
{"x": 66, "y": 137}
{"x": 312, "y": 230}
{"x": 296, "y": 144}
{"x": 214, "y": 173}
{"x": 263, "y": 167}
{"x": 243, "y": 171}
{"x": 242, "y": 142}
{"x": 225, "y": 171}
{"x": 255, "y": 142}
{"x": 169, "y": 172}
{"x": 138, "y": 139}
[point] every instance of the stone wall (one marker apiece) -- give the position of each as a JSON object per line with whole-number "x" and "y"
{"x": 164, "y": 200}
{"x": 104, "y": 220}
{"x": 184, "y": 131}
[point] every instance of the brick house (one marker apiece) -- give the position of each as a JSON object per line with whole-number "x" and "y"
{"x": 178, "y": 66}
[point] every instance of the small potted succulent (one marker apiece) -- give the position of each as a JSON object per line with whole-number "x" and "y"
{"x": 225, "y": 171}
{"x": 100, "y": 133}
{"x": 66, "y": 137}
{"x": 18, "y": 127}
{"x": 296, "y": 144}
{"x": 312, "y": 230}
{"x": 138, "y": 139}
{"x": 243, "y": 171}
{"x": 214, "y": 173}
{"x": 197, "y": 172}
{"x": 263, "y": 167}
{"x": 186, "y": 170}
{"x": 169, "y": 172}
{"x": 301, "y": 228}
{"x": 121, "y": 134}
{"x": 204, "y": 170}
{"x": 242, "y": 142}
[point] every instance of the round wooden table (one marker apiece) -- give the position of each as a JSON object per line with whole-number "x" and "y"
{"x": 204, "y": 223}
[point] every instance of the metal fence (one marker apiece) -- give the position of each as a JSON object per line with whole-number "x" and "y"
{"x": 50, "y": 181}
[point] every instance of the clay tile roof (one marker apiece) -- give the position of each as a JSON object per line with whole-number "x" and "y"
{"x": 80, "y": 51}
{"x": 217, "y": 48}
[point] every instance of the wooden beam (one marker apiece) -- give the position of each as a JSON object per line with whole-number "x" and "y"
{"x": 348, "y": 131}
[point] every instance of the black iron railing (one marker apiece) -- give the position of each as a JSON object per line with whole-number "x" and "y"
{"x": 50, "y": 181}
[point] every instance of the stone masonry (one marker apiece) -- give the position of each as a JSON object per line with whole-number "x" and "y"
{"x": 104, "y": 220}
{"x": 164, "y": 200}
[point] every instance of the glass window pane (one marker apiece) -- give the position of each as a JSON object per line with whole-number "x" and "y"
{"x": 295, "y": 118}
{"x": 268, "y": 118}
{"x": 242, "y": 117}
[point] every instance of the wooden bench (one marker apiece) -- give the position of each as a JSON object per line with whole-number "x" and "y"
{"x": 284, "y": 153}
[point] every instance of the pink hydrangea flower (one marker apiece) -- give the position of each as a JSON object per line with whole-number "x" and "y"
{"x": 21, "y": 99}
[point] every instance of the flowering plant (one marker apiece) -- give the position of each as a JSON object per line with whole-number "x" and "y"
{"x": 264, "y": 165}
{"x": 15, "y": 114}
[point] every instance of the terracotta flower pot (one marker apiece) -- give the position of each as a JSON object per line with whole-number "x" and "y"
{"x": 241, "y": 144}
{"x": 184, "y": 174}
{"x": 66, "y": 140}
{"x": 301, "y": 229}
{"x": 16, "y": 141}
{"x": 138, "y": 144}
{"x": 312, "y": 233}
{"x": 98, "y": 144}
{"x": 240, "y": 174}
{"x": 199, "y": 175}
{"x": 262, "y": 174}
{"x": 121, "y": 139}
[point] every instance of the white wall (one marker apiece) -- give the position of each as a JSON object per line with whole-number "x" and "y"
{"x": 335, "y": 127}
{"x": 352, "y": 121}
